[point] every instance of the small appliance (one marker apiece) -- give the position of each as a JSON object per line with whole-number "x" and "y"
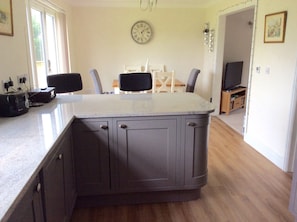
{"x": 43, "y": 95}
{"x": 13, "y": 104}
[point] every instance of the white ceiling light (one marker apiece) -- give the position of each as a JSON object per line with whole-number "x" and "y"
{"x": 147, "y": 4}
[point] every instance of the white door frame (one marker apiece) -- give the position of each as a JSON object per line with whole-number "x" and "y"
{"x": 221, "y": 27}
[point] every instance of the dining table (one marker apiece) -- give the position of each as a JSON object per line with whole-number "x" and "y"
{"x": 179, "y": 86}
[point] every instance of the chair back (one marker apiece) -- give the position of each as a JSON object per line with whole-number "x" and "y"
{"x": 135, "y": 81}
{"x": 132, "y": 68}
{"x": 65, "y": 82}
{"x": 156, "y": 68}
{"x": 96, "y": 81}
{"x": 192, "y": 80}
{"x": 163, "y": 82}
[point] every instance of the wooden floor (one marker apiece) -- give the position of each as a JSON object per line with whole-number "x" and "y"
{"x": 242, "y": 186}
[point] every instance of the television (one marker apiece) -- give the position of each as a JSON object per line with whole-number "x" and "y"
{"x": 232, "y": 75}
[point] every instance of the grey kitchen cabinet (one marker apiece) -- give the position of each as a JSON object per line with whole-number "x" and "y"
{"x": 69, "y": 173}
{"x": 140, "y": 159}
{"x": 147, "y": 153}
{"x": 91, "y": 154}
{"x": 29, "y": 208}
{"x": 196, "y": 151}
{"x": 59, "y": 183}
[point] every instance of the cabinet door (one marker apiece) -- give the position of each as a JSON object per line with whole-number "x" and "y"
{"x": 53, "y": 179}
{"x": 146, "y": 153}
{"x": 29, "y": 209}
{"x": 91, "y": 154}
{"x": 196, "y": 142}
{"x": 69, "y": 174}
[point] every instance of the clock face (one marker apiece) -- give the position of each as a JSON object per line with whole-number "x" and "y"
{"x": 141, "y": 32}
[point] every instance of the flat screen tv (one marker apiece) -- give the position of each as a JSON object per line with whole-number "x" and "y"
{"x": 232, "y": 75}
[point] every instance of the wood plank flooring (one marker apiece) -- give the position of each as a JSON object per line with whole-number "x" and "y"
{"x": 242, "y": 186}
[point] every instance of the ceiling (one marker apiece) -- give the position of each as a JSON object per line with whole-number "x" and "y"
{"x": 135, "y": 3}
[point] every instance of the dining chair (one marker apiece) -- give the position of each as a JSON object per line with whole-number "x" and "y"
{"x": 135, "y": 82}
{"x": 132, "y": 68}
{"x": 163, "y": 82}
{"x": 156, "y": 68}
{"x": 192, "y": 80}
{"x": 96, "y": 81}
{"x": 65, "y": 82}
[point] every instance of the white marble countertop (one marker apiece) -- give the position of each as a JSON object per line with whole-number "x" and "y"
{"x": 26, "y": 140}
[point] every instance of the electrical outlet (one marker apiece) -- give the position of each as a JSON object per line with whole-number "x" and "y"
{"x": 22, "y": 79}
{"x": 5, "y": 85}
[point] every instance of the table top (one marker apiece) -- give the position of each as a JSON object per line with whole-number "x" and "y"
{"x": 177, "y": 83}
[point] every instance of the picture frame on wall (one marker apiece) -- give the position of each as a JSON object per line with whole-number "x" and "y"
{"x": 275, "y": 27}
{"x": 6, "y": 22}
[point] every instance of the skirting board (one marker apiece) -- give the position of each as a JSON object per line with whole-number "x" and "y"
{"x": 265, "y": 151}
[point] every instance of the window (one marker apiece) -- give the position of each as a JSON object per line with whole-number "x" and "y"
{"x": 49, "y": 54}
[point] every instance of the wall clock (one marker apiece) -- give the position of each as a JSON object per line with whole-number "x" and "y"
{"x": 141, "y": 32}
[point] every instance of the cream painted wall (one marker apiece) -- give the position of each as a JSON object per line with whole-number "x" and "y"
{"x": 270, "y": 120}
{"x": 101, "y": 39}
{"x": 13, "y": 53}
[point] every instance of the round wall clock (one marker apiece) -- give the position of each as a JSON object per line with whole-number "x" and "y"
{"x": 141, "y": 32}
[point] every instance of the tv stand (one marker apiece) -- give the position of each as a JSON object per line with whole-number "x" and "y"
{"x": 233, "y": 99}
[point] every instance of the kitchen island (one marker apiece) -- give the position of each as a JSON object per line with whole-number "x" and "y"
{"x": 121, "y": 122}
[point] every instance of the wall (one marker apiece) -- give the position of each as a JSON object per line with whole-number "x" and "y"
{"x": 270, "y": 120}
{"x": 101, "y": 39}
{"x": 13, "y": 53}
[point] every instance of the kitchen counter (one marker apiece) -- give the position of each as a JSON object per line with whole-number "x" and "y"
{"x": 26, "y": 140}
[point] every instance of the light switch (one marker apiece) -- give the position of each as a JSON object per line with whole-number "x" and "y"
{"x": 258, "y": 69}
{"x": 267, "y": 70}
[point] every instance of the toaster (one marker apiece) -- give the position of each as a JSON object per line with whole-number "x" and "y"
{"x": 13, "y": 104}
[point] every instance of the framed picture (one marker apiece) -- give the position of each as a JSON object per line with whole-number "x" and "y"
{"x": 275, "y": 27}
{"x": 6, "y": 24}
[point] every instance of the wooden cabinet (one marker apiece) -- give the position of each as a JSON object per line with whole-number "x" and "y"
{"x": 147, "y": 150}
{"x": 233, "y": 99}
{"x": 196, "y": 143}
{"x": 58, "y": 180}
{"x": 29, "y": 209}
{"x": 91, "y": 151}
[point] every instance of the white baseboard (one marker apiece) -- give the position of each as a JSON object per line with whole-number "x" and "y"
{"x": 265, "y": 151}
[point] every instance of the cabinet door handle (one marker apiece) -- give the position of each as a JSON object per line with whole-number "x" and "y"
{"x": 60, "y": 156}
{"x": 191, "y": 124}
{"x": 38, "y": 187}
{"x": 105, "y": 127}
{"x": 123, "y": 126}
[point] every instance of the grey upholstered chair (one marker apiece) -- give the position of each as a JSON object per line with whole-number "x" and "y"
{"x": 96, "y": 80}
{"x": 65, "y": 82}
{"x": 192, "y": 80}
{"x": 134, "y": 82}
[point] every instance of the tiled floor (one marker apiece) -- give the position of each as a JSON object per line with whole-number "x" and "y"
{"x": 235, "y": 119}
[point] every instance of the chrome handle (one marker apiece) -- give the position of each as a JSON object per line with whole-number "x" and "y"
{"x": 104, "y": 127}
{"x": 38, "y": 187}
{"x": 191, "y": 124}
{"x": 123, "y": 126}
{"x": 60, "y": 157}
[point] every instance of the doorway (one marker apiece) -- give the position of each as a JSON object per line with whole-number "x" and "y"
{"x": 237, "y": 46}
